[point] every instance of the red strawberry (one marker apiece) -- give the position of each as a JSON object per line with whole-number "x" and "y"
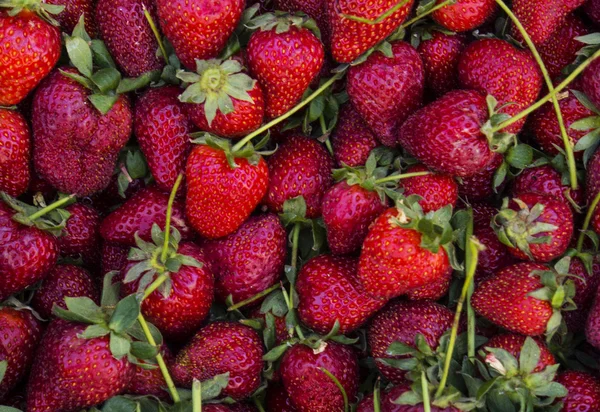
{"x": 496, "y": 67}
{"x": 21, "y": 333}
{"x": 128, "y": 36}
{"x": 69, "y": 17}
{"x": 138, "y": 214}
{"x": 512, "y": 343}
{"x": 592, "y": 326}
{"x": 592, "y": 187}
{"x": 546, "y": 180}
{"x": 589, "y": 81}
{"x": 218, "y": 348}
{"x": 440, "y": 55}
{"x": 249, "y": 260}
{"x": 281, "y": 332}
{"x": 309, "y": 388}
{"x": 80, "y": 237}
{"x": 495, "y": 256}
{"x": 434, "y": 290}
{"x": 387, "y": 402}
{"x": 385, "y": 90}
{"x": 15, "y": 148}
{"x": 480, "y": 186}
{"x": 114, "y": 257}
{"x": 162, "y": 129}
{"x": 30, "y": 49}
{"x": 584, "y": 391}
{"x": 151, "y": 381}
{"x": 277, "y": 400}
{"x": 317, "y": 9}
{"x": 63, "y": 281}
{"x": 300, "y": 167}
{"x": 284, "y": 60}
{"x": 436, "y": 190}
{"x": 586, "y": 284}
{"x": 592, "y": 9}
{"x": 329, "y": 290}
{"x": 464, "y": 15}
{"x": 352, "y": 140}
{"x": 561, "y": 48}
{"x": 351, "y": 38}
{"x": 402, "y": 322}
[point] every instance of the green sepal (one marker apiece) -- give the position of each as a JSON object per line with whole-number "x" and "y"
{"x": 3, "y": 368}
{"x": 282, "y": 22}
{"x": 212, "y": 388}
{"x": 42, "y": 9}
{"x": 499, "y": 141}
{"x": 53, "y": 222}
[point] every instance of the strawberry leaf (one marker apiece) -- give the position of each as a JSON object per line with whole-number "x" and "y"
{"x": 125, "y": 314}
{"x": 3, "y": 367}
{"x": 212, "y": 388}
{"x": 119, "y": 345}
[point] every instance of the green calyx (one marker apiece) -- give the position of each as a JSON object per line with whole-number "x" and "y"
{"x": 51, "y": 218}
{"x": 215, "y": 84}
{"x": 248, "y": 151}
{"x": 589, "y": 142}
{"x": 499, "y": 141}
{"x": 282, "y": 22}
{"x": 42, "y": 9}
{"x": 521, "y": 228}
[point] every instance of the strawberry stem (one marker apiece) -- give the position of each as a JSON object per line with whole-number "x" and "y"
{"x": 165, "y": 249}
{"x": 258, "y": 404}
{"x": 425, "y": 390}
{"x": 376, "y": 401}
{"x": 364, "y": 20}
{"x": 155, "y": 285}
{"x": 567, "y": 143}
{"x": 253, "y": 298}
{"x": 197, "y": 396}
{"x": 586, "y": 222}
{"x": 339, "y": 385}
{"x": 157, "y": 35}
{"x": 470, "y": 311}
{"x": 51, "y": 207}
{"x": 394, "y": 178}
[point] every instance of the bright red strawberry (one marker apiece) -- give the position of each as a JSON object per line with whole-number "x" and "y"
{"x": 218, "y": 348}
{"x": 440, "y": 55}
{"x": 513, "y": 343}
{"x": 584, "y": 391}
{"x": 69, "y": 17}
{"x": 480, "y": 186}
{"x": 30, "y": 49}
{"x": 151, "y": 381}
{"x": 436, "y": 190}
{"x": 277, "y": 400}
{"x": 329, "y": 290}
{"x": 352, "y": 140}
{"x": 546, "y": 180}
{"x": 63, "y": 281}
{"x": 300, "y": 167}
{"x": 138, "y": 214}
{"x": 80, "y": 237}
{"x": 561, "y": 48}
{"x": 284, "y": 61}
{"x": 495, "y": 256}
{"x": 162, "y": 129}
{"x": 434, "y": 290}
{"x": 402, "y": 322}
{"x": 496, "y": 67}
{"x": 309, "y": 388}
{"x": 114, "y": 257}
{"x": 249, "y": 260}
{"x": 386, "y": 90}
{"x": 351, "y": 38}
{"x": 15, "y": 148}
{"x": 21, "y": 333}
{"x": 464, "y": 15}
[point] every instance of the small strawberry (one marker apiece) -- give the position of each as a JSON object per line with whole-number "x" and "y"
{"x": 435, "y": 190}
{"x": 69, "y": 17}
{"x": 480, "y": 186}
{"x": 80, "y": 237}
{"x": 285, "y": 57}
{"x": 464, "y": 15}
{"x": 546, "y": 180}
{"x": 495, "y": 256}
{"x": 15, "y": 148}
{"x": 513, "y": 343}
{"x": 584, "y": 391}
{"x": 352, "y": 140}
{"x": 561, "y": 48}
{"x": 151, "y": 381}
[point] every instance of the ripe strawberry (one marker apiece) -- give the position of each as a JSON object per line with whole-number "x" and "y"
{"x": 128, "y": 36}
{"x": 198, "y": 31}
{"x": 584, "y": 391}
{"x": 249, "y": 260}
{"x": 586, "y": 283}
{"x": 480, "y": 186}
{"x": 464, "y": 15}
{"x": 114, "y": 257}
{"x": 592, "y": 326}
{"x": 162, "y": 129}
{"x": 277, "y": 400}
{"x": 546, "y": 180}
{"x": 281, "y": 332}
{"x": 309, "y": 388}
{"x": 496, "y": 67}
{"x": 589, "y": 82}
{"x": 21, "y": 333}
{"x": 592, "y": 9}
{"x": 351, "y": 38}
{"x": 592, "y": 187}
{"x": 284, "y": 57}
{"x": 561, "y": 48}
{"x": 535, "y": 226}
{"x": 495, "y": 256}
{"x": 218, "y": 348}
{"x": 440, "y": 55}
{"x": 151, "y": 381}
{"x": 300, "y": 167}
{"x": 401, "y": 322}
{"x": 385, "y": 90}
{"x": 434, "y": 290}
{"x": 15, "y": 148}
{"x": 317, "y": 9}
{"x": 30, "y": 49}
{"x": 69, "y": 17}
{"x": 387, "y": 402}
{"x": 329, "y": 290}
{"x": 513, "y": 343}
{"x": 352, "y": 140}
{"x": 80, "y": 237}
{"x": 436, "y": 190}
{"x": 63, "y": 281}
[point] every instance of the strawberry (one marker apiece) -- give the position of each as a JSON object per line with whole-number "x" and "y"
{"x": 592, "y": 9}
{"x": 589, "y": 81}
{"x": 546, "y": 180}
{"x": 498, "y": 68}
{"x": 403, "y": 322}
{"x": 481, "y": 186}
{"x": 464, "y": 15}
{"x": 162, "y": 129}
{"x": 284, "y": 57}
{"x": 317, "y": 9}
{"x": 592, "y": 326}
{"x": 277, "y": 400}
{"x": 352, "y": 140}
{"x": 561, "y": 48}
{"x": 15, "y": 153}
{"x": 436, "y": 190}
{"x": 535, "y": 226}
{"x": 584, "y": 391}
{"x": 80, "y": 237}
{"x": 281, "y": 331}
{"x": 249, "y": 260}
{"x": 222, "y": 347}
{"x": 300, "y": 167}
{"x": 21, "y": 333}
{"x": 151, "y": 381}
{"x": 63, "y": 281}
{"x": 388, "y": 403}
{"x": 69, "y": 17}
{"x": 592, "y": 187}
{"x": 434, "y": 290}
{"x": 440, "y": 55}
{"x": 222, "y": 100}
{"x": 329, "y": 291}
{"x": 351, "y": 38}
{"x": 513, "y": 343}
{"x": 198, "y": 31}
{"x": 309, "y": 388}
{"x": 495, "y": 256}
{"x": 114, "y": 257}
{"x": 30, "y": 47}
{"x": 387, "y": 88}
{"x": 128, "y": 36}
{"x": 586, "y": 282}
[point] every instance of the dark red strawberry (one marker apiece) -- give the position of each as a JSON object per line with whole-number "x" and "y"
{"x": 219, "y": 348}
{"x": 249, "y": 260}
{"x": 592, "y": 326}
{"x": 21, "y": 333}
{"x": 80, "y": 237}
{"x": 513, "y": 343}
{"x": 352, "y": 140}
{"x": 309, "y": 388}
{"x": 436, "y": 190}
{"x": 547, "y": 181}
{"x": 586, "y": 283}
{"x": 114, "y": 257}
{"x": 300, "y": 167}
{"x": 15, "y": 157}
{"x": 561, "y": 48}
{"x": 592, "y": 9}
{"x": 284, "y": 60}
{"x": 387, "y": 402}
{"x": 480, "y": 186}
{"x": 277, "y": 400}
{"x": 584, "y": 391}
{"x": 434, "y": 290}
{"x": 151, "y": 381}
{"x": 464, "y": 15}
{"x": 69, "y": 17}
{"x": 440, "y": 55}
{"x": 495, "y": 256}
{"x": 589, "y": 81}
{"x": 592, "y": 187}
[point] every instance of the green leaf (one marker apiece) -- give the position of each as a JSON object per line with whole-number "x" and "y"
{"x": 94, "y": 331}
{"x": 119, "y": 346}
{"x": 85, "y": 308}
{"x": 106, "y": 79}
{"x": 120, "y": 404}
{"x": 275, "y": 303}
{"x": 79, "y": 29}
{"x": 101, "y": 55}
{"x": 399, "y": 349}
{"x": 125, "y": 314}
{"x": 212, "y": 388}
{"x": 110, "y": 290}
{"x": 3, "y": 367}
{"x": 587, "y": 141}
{"x": 529, "y": 357}
{"x": 9, "y": 409}
{"x": 520, "y": 156}
{"x": 103, "y": 102}
{"x": 137, "y": 332}
{"x": 143, "y": 350}
{"x": 131, "y": 84}
{"x": 80, "y": 54}
{"x": 275, "y": 353}
{"x": 592, "y": 122}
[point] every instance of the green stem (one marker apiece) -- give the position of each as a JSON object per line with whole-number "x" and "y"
{"x": 294, "y": 110}
{"x": 395, "y": 178}
{"x": 322, "y": 124}
{"x": 253, "y": 298}
{"x": 165, "y": 249}
{"x": 51, "y": 207}
{"x": 154, "y": 285}
{"x": 378, "y": 20}
{"x": 258, "y": 404}
{"x": 567, "y": 143}
{"x": 157, "y": 35}
{"x": 425, "y": 390}
{"x": 586, "y": 222}
{"x": 470, "y": 312}
{"x": 196, "y": 396}
{"x": 376, "y": 401}
{"x": 340, "y": 387}
{"x": 297, "y": 328}
{"x": 427, "y": 13}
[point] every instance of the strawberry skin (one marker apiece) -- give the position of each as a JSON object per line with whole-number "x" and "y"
{"x": 512, "y": 343}
{"x": 151, "y": 381}
{"x": 15, "y": 153}
{"x": 432, "y": 291}
{"x": 162, "y": 128}
{"x": 198, "y": 30}
{"x": 436, "y": 190}
{"x": 561, "y": 48}
{"x": 80, "y": 237}
{"x": 590, "y": 82}
{"x": 73, "y": 10}
{"x": 440, "y": 55}
{"x": 277, "y": 399}
{"x": 114, "y": 257}
{"x": 352, "y": 140}
{"x": 218, "y": 348}
{"x": 592, "y": 326}
{"x": 385, "y": 91}
{"x": 584, "y": 391}
{"x": 546, "y": 180}
{"x": 73, "y": 373}
{"x": 592, "y": 9}
{"x": 30, "y": 49}
{"x": 464, "y": 15}
{"x": 592, "y": 187}
{"x": 586, "y": 285}
{"x": 480, "y": 186}
{"x": 495, "y": 256}
{"x": 212, "y": 183}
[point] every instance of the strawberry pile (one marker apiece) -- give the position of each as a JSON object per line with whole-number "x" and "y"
{"x": 299, "y": 205}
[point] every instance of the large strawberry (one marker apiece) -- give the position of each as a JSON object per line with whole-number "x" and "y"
{"x": 285, "y": 57}
{"x": 15, "y": 148}
{"x": 435, "y": 190}
{"x": 464, "y": 15}
{"x": 584, "y": 391}
{"x": 151, "y": 381}
{"x": 80, "y": 237}
{"x": 561, "y": 48}
{"x": 387, "y": 88}
{"x": 495, "y": 256}
{"x": 481, "y": 185}
{"x": 69, "y": 17}
{"x": 352, "y": 140}
{"x": 513, "y": 344}
{"x": 317, "y": 9}
{"x": 440, "y": 55}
